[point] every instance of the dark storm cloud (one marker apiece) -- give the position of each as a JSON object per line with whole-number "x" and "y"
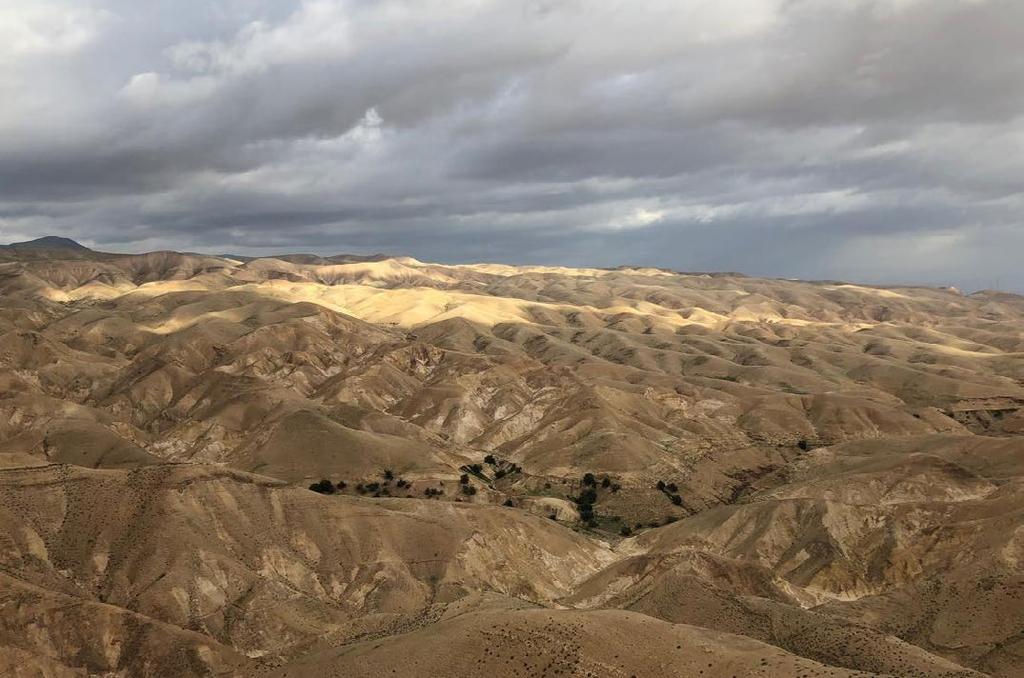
{"x": 876, "y": 140}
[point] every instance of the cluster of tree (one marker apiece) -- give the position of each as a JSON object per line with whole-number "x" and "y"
{"x": 376, "y": 489}
{"x": 585, "y": 502}
{"x": 325, "y": 486}
{"x": 501, "y": 467}
{"x": 670, "y": 490}
{"x": 433, "y": 492}
{"x": 589, "y": 480}
{"x": 467, "y": 489}
{"x": 502, "y": 472}
{"x": 588, "y": 496}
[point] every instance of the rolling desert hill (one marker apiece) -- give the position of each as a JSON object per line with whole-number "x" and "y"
{"x": 318, "y": 466}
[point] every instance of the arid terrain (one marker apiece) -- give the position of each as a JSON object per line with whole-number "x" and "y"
{"x": 374, "y": 466}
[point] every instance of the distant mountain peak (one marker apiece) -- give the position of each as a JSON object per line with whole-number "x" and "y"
{"x": 50, "y": 242}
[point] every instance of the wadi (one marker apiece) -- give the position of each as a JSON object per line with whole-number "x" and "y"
{"x": 308, "y": 465}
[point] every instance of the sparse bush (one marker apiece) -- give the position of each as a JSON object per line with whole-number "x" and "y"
{"x": 615, "y": 487}
{"x": 508, "y": 502}
{"x": 341, "y": 485}
{"x": 625, "y": 531}
{"x": 499, "y": 474}
{"x": 388, "y": 474}
{"x": 468, "y": 490}
{"x": 672, "y": 487}
{"x": 802, "y": 445}
{"x": 606, "y": 482}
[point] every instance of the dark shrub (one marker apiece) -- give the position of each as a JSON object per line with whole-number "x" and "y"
{"x": 616, "y": 487}
{"x": 606, "y": 482}
{"x": 464, "y": 479}
{"x": 508, "y": 502}
{"x": 671, "y": 487}
{"x": 802, "y": 445}
{"x": 676, "y": 499}
{"x": 589, "y": 480}
{"x": 323, "y": 487}
{"x": 388, "y": 474}
{"x": 489, "y": 459}
{"x": 661, "y": 485}
{"x": 468, "y": 490}
{"x": 341, "y": 485}
{"x": 625, "y": 531}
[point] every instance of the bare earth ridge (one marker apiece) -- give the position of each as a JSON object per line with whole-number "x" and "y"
{"x": 518, "y": 471}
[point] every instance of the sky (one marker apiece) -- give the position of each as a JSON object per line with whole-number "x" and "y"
{"x": 877, "y": 141}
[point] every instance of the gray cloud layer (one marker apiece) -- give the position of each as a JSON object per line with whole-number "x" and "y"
{"x": 873, "y": 140}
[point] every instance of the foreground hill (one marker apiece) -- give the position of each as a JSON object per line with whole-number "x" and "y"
{"x": 530, "y": 466}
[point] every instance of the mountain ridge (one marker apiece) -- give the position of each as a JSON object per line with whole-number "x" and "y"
{"x": 50, "y": 242}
